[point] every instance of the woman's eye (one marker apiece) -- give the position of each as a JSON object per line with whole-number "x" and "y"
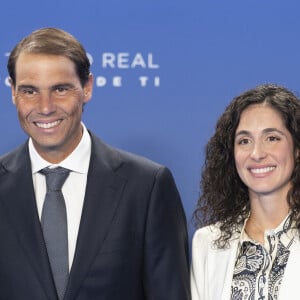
{"x": 273, "y": 138}
{"x": 244, "y": 142}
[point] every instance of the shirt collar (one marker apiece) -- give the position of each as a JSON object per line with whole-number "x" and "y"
{"x": 77, "y": 161}
{"x": 286, "y": 231}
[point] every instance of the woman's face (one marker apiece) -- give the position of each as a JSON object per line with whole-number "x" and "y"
{"x": 264, "y": 151}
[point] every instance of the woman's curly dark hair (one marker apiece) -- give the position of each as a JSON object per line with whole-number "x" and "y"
{"x": 224, "y": 198}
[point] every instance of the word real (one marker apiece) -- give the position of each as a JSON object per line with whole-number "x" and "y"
{"x": 110, "y": 62}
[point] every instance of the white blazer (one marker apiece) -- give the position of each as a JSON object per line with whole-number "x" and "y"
{"x": 212, "y": 268}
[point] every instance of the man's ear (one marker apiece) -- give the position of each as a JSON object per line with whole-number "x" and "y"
{"x": 13, "y": 91}
{"x": 88, "y": 88}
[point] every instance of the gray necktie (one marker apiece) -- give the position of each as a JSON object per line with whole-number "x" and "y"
{"x": 54, "y": 225}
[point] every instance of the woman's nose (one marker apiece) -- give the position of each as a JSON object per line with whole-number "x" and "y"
{"x": 258, "y": 151}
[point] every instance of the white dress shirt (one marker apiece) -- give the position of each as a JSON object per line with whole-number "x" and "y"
{"x": 73, "y": 188}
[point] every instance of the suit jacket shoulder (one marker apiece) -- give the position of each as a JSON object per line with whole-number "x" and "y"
{"x": 115, "y": 158}
{"x": 14, "y": 159}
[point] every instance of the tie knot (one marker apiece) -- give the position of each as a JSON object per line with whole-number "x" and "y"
{"x": 55, "y": 177}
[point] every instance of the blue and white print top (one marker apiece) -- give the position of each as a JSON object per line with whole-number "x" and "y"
{"x": 259, "y": 269}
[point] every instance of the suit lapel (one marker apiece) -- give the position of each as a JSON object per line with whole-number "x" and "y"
{"x": 103, "y": 192}
{"x": 20, "y": 207}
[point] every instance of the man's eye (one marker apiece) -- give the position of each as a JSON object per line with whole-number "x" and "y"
{"x": 62, "y": 90}
{"x": 27, "y": 92}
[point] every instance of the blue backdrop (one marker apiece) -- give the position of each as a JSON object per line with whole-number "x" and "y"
{"x": 164, "y": 70}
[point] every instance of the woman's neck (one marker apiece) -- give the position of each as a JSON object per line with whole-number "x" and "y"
{"x": 265, "y": 213}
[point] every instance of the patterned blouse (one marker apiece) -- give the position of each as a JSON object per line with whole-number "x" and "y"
{"x": 259, "y": 269}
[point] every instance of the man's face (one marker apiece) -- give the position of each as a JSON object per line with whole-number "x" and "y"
{"x": 49, "y": 99}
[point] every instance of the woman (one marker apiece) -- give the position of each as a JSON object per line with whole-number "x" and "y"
{"x": 250, "y": 201}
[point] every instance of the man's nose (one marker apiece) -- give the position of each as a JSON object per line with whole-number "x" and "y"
{"x": 46, "y": 103}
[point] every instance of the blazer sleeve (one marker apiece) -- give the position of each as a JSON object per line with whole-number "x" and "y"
{"x": 199, "y": 271}
{"x": 166, "y": 265}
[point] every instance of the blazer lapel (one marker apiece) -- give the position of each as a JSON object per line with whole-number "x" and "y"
{"x": 20, "y": 207}
{"x": 221, "y": 267}
{"x": 289, "y": 286}
{"x": 103, "y": 192}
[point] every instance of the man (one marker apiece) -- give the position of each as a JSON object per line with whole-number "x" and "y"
{"x": 126, "y": 228}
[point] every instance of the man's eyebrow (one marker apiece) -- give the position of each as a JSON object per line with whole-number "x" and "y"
{"x": 63, "y": 84}
{"x": 52, "y": 87}
{"x": 26, "y": 86}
